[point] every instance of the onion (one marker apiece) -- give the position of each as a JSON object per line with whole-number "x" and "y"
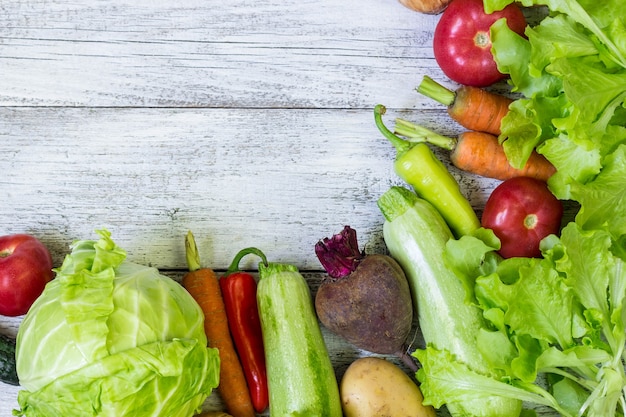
{"x": 426, "y": 6}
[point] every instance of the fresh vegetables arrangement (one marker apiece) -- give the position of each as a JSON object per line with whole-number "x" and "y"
{"x": 571, "y": 74}
{"x": 366, "y": 298}
{"x": 111, "y": 337}
{"x": 416, "y": 236}
{"x": 203, "y": 285}
{"x": 558, "y": 318}
{"x": 575, "y": 294}
{"x": 478, "y": 153}
{"x": 242, "y": 313}
{"x": 554, "y": 321}
{"x": 545, "y": 325}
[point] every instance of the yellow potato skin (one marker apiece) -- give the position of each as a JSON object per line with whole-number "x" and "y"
{"x": 375, "y": 387}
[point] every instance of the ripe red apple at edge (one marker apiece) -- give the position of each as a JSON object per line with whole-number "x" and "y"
{"x": 25, "y": 269}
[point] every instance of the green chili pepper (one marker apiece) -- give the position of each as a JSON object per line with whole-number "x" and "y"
{"x": 417, "y": 165}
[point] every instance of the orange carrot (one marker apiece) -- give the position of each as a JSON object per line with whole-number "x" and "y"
{"x": 479, "y": 153}
{"x": 473, "y": 148}
{"x": 203, "y": 285}
{"x": 472, "y": 107}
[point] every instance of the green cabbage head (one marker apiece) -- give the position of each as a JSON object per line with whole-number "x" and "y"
{"x": 109, "y": 337}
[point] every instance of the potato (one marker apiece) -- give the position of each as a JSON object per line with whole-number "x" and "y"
{"x": 375, "y": 387}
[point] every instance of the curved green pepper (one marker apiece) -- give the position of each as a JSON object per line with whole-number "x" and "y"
{"x": 417, "y": 165}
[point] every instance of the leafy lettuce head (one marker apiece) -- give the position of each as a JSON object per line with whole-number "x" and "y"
{"x": 109, "y": 337}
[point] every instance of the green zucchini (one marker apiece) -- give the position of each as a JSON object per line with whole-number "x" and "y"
{"x": 301, "y": 378}
{"x": 415, "y": 235}
{"x": 8, "y": 374}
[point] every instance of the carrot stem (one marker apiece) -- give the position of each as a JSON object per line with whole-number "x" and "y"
{"x": 193, "y": 257}
{"x": 432, "y": 89}
{"x": 416, "y": 133}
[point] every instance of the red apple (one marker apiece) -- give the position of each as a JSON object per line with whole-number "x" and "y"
{"x": 25, "y": 269}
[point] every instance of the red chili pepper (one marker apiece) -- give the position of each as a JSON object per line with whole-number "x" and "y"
{"x": 239, "y": 294}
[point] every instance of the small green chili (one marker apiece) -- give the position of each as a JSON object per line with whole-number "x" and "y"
{"x": 417, "y": 165}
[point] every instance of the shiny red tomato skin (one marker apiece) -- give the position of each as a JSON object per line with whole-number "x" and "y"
{"x": 522, "y": 211}
{"x": 462, "y": 45}
{"x": 25, "y": 269}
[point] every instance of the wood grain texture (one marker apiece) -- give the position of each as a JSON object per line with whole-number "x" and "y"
{"x": 250, "y": 123}
{"x": 194, "y": 53}
{"x": 256, "y": 177}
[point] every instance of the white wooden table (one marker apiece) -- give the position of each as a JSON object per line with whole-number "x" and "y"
{"x": 248, "y": 122}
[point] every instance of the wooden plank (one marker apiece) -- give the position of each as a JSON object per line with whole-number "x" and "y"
{"x": 268, "y": 178}
{"x": 193, "y": 53}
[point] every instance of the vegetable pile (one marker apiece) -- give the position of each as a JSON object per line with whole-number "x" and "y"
{"x": 517, "y": 307}
{"x": 111, "y": 337}
{"x": 553, "y": 329}
{"x": 561, "y": 316}
{"x": 416, "y": 235}
{"x": 571, "y": 73}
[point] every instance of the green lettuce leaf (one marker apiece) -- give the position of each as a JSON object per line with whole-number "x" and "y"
{"x": 603, "y": 201}
{"x": 559, "y": 318}
{"x": 571, "y": 74}
{"x": 593, "y": 15}
{"x": 461, "y": 254}
{"x": 557, "y": 37}
{"x": 549, "y": 320}
{"x": 444, "y": 380}
{"x": 594, "y": 92}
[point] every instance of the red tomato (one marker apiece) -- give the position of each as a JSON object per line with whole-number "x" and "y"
{"x": 521, "y": 211}
{"x": 25, "y": 269}
{"x": 462, "y": 44}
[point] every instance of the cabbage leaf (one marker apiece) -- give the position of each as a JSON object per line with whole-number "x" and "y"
{"x": 109, "y": 337}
